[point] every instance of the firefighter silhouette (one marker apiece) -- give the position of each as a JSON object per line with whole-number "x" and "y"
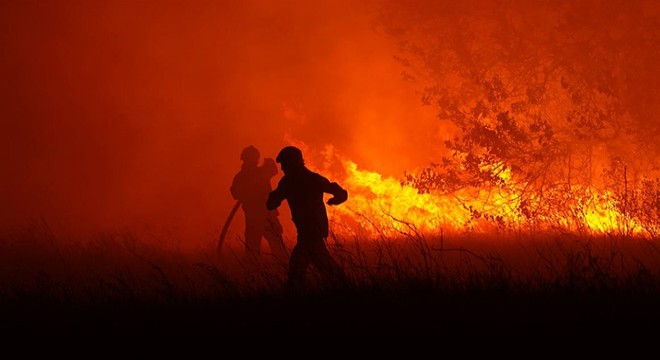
{"x": 250, "y": 187}
{"x": 303, "y": 190}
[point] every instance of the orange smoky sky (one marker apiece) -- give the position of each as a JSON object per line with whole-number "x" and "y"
{"x": 118, "y": 114}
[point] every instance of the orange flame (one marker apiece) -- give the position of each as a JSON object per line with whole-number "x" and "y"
{"x": 381, "y": 206}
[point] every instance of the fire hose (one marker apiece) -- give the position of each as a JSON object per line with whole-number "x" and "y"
{"x": 225, "y": 228}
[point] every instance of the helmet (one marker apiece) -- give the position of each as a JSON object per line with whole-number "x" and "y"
{"x": 250, "y": 154}
{"x": 290, "y": 155}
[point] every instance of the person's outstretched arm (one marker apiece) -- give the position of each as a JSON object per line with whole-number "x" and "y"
{"x": 339, "y": 194}
{"x": 276, "y": 197}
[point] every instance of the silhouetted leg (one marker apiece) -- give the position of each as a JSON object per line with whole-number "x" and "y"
{"x": 300, "y": 260}
{"x": 276, "y": 246}
{"x": 273, "y": 235}
{"x": 327, "y": 266}
{"x": 254, "y": 230}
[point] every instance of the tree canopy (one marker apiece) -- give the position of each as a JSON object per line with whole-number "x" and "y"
{"x": 549, "y": 91}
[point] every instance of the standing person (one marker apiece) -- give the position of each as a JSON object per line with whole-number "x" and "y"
{"x": 303, "y": 190}
{"x": 251, "y": 187}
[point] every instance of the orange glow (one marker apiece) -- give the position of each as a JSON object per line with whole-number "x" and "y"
{"x": 501, "y": 160}
{"x": 129, "y": 115}
{"x": 383, "y": 206}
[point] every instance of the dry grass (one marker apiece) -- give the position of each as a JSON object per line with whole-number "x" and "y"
{"x": 453, "y": 281}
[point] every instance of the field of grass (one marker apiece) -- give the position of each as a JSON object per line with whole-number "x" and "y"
{"x": 460, "y": 282}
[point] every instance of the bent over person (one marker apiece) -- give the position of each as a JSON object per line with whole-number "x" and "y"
{"x": 251, "y": 187}
{"x": 303, "y": 189}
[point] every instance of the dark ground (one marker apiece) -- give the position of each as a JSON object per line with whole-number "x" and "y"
{"x": 352, "y": 312}
{"x": 117, "y": 293}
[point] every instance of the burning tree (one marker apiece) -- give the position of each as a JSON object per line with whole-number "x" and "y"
{"x": 546, "y": 99}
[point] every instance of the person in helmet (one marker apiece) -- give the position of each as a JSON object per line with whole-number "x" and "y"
{"x": 251, "y": 186}
{"x": 303, "y": 190}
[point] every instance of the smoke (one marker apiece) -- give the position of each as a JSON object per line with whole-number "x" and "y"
{"x": 122, "y": 114}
